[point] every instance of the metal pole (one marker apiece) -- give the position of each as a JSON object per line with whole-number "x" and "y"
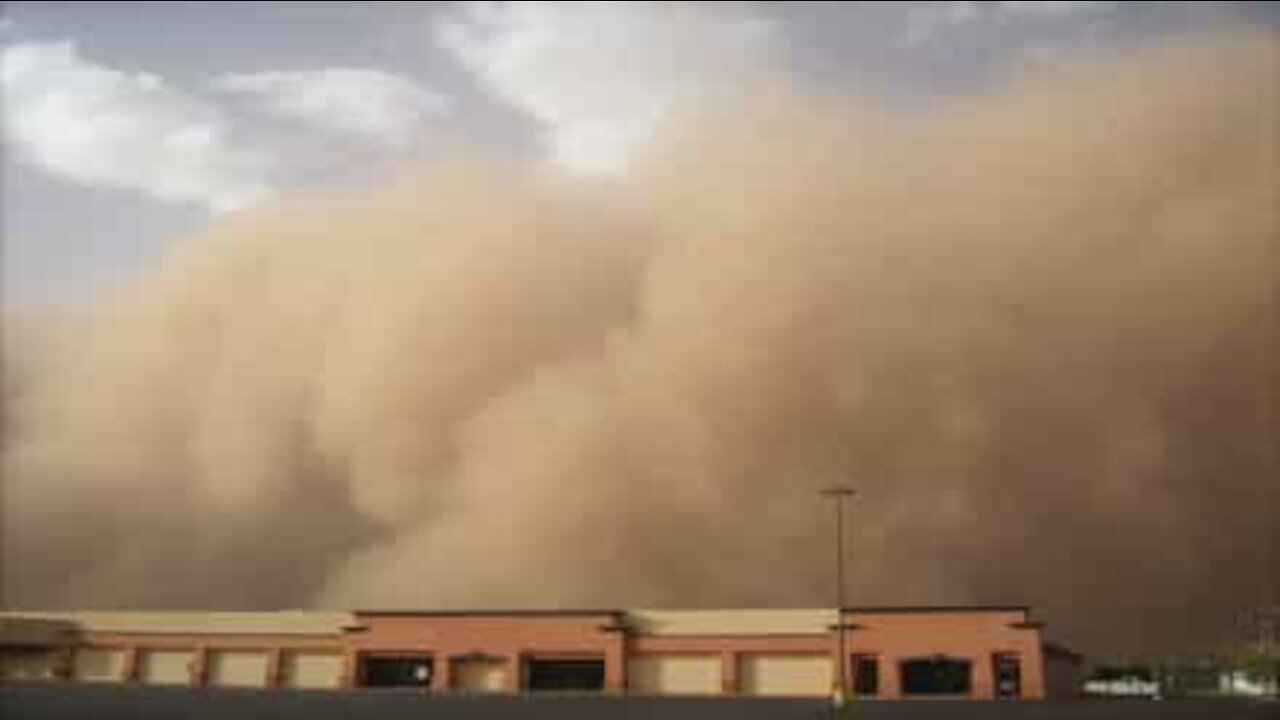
{"x": 840, "y": 493}
{"x": 844, "y": 671}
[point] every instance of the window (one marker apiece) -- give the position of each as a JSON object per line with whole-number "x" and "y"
{"x": 1008, "y": 675}
{"x": 866, "y": 678}
{"x": 939, "y": 675}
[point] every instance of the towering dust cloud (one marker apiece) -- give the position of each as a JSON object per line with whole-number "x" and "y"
{"x": 1038, "y": 328}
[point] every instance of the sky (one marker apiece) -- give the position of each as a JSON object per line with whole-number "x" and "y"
{"x": 129, "y": 126}
{"x": 319, "y": 281}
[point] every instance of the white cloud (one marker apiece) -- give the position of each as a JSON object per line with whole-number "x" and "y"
{"x": 601, "y": 76}
{"x": 97, "y": 126}
{"x": 924, "y": 20}
{"x": 367, "y": 104}
{"x": 1053, "y": 8}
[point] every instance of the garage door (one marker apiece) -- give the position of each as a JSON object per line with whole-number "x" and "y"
{"x": 25, "y": 664}
{"x": 310, "y": 670}
{"x": 674, "y": 675}
{"x": 480, "y": 675}
{"x": 786, "y": 674}
{"x": 98, "y": 665}
{"x": 564, "y": 674}
{"x": 164, "y": 667}
{"x": 237, "y": 669}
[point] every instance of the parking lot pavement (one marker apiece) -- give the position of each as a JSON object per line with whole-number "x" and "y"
{"x": 53, "y": 701}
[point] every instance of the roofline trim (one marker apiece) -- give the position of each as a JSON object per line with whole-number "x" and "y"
{"x": 935, "y": 608}
{"x": 41, "y": 614}
{"x": 552, "y": 612}
{"x": 1053, "y": 648}
{"x": 488, "y": 613}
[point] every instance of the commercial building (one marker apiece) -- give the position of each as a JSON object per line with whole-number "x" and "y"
{"x": 961, "y": 652}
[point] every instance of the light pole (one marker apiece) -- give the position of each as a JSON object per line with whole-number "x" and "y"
{"x": 840, "y": 493}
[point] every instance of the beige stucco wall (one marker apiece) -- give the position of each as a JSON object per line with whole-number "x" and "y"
{"x": 773, "y": 652}
{"x": 975, "y": 636}
{"x": 674, "y": 674}
{"x": 510, "y": 636}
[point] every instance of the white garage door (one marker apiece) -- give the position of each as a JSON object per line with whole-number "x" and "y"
{"x": 237, "y": 668}
{"x": 164, "y": 667}
{"x": 785, "y": 674}
{"x": 310, "y": 670}
{"x": 674, "y": 675}
{"x": 98, "y": 665}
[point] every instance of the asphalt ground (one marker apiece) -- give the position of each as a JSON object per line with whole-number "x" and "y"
{"x": 45, "y": 700}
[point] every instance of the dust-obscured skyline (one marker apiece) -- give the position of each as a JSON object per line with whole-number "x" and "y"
{"x": 1037, "y": 327}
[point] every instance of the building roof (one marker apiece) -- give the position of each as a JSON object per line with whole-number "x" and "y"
{"x": 491, "y": 613}
{"x": 285, "y": 622}
{"x": 935, "y": 608}
{"x": 524, "y": 612}
{"x": 1053, "y": 648}
{"x": 24, "y": 631}
{"x": 785, "y": 621}
{"x": 33, "y": 626}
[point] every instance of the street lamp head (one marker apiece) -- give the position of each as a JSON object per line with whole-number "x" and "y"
{"x": 839, "y": 491}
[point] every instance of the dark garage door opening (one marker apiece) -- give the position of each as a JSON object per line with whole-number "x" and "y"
{"x": 396, "y": 671}
{"x": 866, "y": 675}
{"x": 564, "y": 674}
{"x": 936, "y": 676}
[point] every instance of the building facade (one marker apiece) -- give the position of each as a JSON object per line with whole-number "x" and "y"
{"x": 892, "y": 653}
